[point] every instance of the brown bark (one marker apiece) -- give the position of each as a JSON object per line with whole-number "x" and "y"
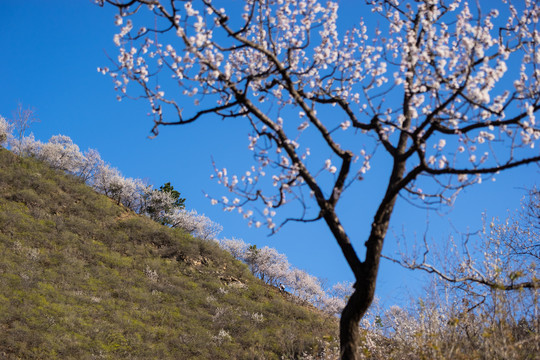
{"x": 366, "y": 279}
{"x": 366, "y": 272}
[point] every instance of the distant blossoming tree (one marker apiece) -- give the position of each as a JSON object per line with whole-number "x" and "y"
{"x": 5, "y": 131}
{"x": 22, "y": 120}
{"x": 161, "y": 203}
{"x": 198, "y": 225}
{"x": 505, "y": 257}
{"x": 61, "y": 153}
{"x": 268, "y": 264}
{"x": 273, "y": 268}
{"x": 443, "y": 93}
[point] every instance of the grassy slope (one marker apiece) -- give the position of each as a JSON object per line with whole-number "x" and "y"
{"x": 83, "y": 278}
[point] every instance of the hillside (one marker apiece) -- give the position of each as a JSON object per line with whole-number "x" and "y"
{"x": 84, "y": 278}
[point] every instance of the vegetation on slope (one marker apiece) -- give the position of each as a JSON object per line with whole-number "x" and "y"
{"x": 84, "y": 278}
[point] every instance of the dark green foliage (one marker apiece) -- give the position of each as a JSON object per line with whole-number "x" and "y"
{"x": 168, "y": 188}
{"x": 157, "y": 211}
{"x": 84, "y": 278}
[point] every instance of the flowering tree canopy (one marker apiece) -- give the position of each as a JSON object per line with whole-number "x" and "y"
{"x": 447, "y": 91}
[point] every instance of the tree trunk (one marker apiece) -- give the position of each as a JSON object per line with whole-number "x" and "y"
{"x": 365, "y": 272}
{"x": 366, "y": 279}
{"x": 349, "y": 330}
{"x": 356, "y": 308}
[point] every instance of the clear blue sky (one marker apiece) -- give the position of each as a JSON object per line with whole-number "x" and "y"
{"x": 50, "y": 52}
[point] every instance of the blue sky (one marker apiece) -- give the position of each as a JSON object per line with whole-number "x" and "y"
{"x": 50, "y": 53}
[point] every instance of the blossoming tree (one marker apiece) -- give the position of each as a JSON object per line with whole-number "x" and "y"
{"x": 442, "y": 92}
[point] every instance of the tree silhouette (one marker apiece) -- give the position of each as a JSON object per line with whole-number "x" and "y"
{"x": 442, "y": 93}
